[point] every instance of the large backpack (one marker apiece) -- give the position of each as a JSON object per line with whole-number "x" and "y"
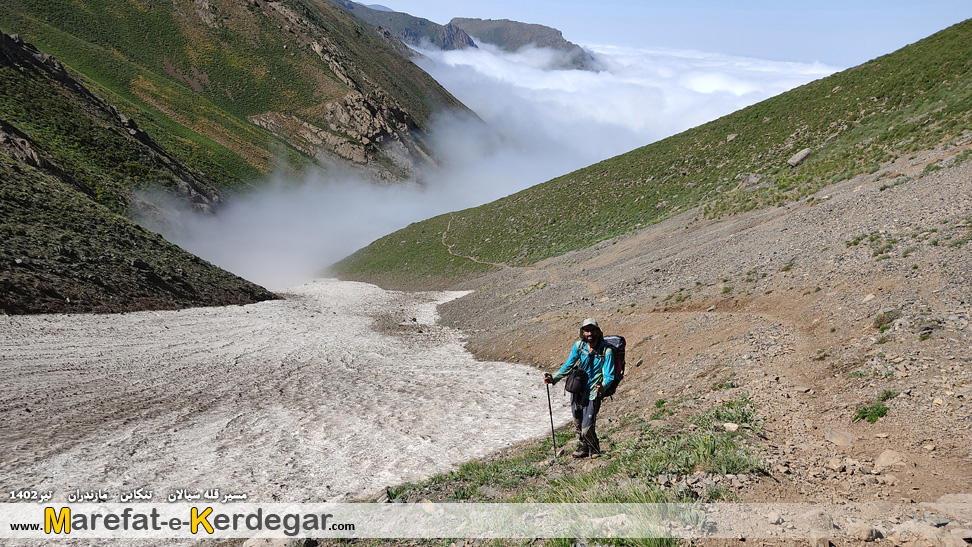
{"x": 616, "y": 343}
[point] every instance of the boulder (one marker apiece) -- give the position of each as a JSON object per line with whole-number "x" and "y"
{"x": 799, "y": 157}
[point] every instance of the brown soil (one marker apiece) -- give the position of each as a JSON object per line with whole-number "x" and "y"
{"x": 783, "y": 304}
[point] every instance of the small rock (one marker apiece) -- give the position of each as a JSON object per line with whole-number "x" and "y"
{"x": 868, "y": 298}
{"x": 839, "y": 438}
{"x": 729, "y": 426}
{"x": 865, "y": 532}
{"x": 937, "y": 521}
{"x": 938, "y": 401}
{"x": 962, "y": 535}
{"x": 774, "y": 518}
{"x": 889, "y": 458}
{"x": 835, "y": 464}
{"x": 888, "y": 480}
{"x": 929, "y": 447}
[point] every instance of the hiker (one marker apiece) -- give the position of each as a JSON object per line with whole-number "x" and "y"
{"x": 596, "y": 360}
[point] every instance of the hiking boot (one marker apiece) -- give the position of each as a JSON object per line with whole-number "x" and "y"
{"x": 580, "y": 453}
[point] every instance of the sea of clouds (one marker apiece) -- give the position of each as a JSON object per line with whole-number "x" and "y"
{"x": 539, "y": 123}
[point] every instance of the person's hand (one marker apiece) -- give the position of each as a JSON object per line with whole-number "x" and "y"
{"x": 598, "y": 388}
{"x": 547, "y": 378}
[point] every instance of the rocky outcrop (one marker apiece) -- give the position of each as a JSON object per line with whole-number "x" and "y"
{"x": 442, "y": 37}
{"x": 513, "y": 36}
{"x": 411, "y": 30}
{"x": 358, "y": 129}
{"x": 366, "y": 127}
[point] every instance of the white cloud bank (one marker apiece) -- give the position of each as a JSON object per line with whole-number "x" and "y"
{"x": 541, "y": 124}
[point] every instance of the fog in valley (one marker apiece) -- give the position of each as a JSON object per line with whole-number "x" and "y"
{"x": 539, "y": 124}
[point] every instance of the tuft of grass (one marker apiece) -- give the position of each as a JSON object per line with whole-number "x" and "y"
{"x": 887, "y": 394}
{"x": 871, "y": 413}
{"x": 885, "y": 319}
{"x": 629, "y": 466}
{"x": 728, "y": 383}
{"x": 662, "y": 410}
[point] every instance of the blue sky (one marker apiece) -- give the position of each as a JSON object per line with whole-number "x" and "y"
{"x": 838, "y": 33}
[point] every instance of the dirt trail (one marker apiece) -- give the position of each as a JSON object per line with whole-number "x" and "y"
{"x": 782, "y": 305}
{"x": 293, "y": 400}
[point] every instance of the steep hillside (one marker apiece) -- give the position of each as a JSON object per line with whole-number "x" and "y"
{"x": 69, "y": 162}
{"x": 813, "y": 353}
{"x": 799, "y": 327}
{"x": 513, "y": 36}
{"x": 242, "y": 88}
{"x": 412, "y": 30}
{"x": 853, "y": 122}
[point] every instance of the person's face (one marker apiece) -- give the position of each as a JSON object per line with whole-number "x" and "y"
{"x": 588, "y": 334}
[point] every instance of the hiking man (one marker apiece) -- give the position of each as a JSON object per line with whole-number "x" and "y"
{"x": 596, "y": 359}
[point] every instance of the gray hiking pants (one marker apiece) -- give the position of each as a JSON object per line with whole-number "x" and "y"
{"x": 585, "y": 411}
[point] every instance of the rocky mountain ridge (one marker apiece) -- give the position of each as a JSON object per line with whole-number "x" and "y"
{"x": 316, "y": 85}
{"x": 25, "y": 59}
{"x": 513, "y": 36}
{"x": 414, "y": 31}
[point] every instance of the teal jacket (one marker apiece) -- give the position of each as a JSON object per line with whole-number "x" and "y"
{"x": 600, "y": 369}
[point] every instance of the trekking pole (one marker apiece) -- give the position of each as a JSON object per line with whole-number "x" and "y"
{"x": 553, "y": 436}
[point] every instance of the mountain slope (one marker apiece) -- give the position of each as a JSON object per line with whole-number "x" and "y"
{"x": 917, "y": 98}
{"x": 68, "y": 164}
{"x": 248, "y": 85}
{"x": 514, "y": 35}
{"x": 412, "y": 30}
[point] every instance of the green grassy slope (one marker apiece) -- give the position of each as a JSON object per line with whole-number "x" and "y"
{"x": 68, "y": 165}
{"x": 192, "y": 75}
{"x": 916, "y": 98}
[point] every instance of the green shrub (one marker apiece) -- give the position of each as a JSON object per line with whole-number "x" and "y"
{"x": 871, "y": 413}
